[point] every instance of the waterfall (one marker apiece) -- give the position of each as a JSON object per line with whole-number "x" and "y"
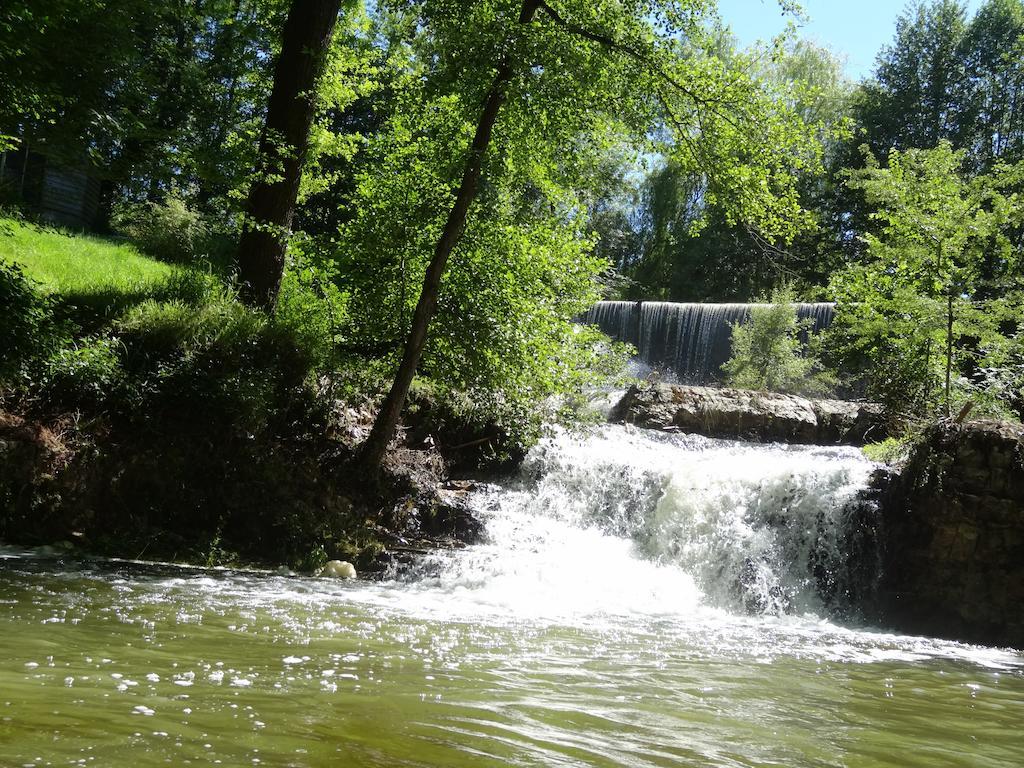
{"x": 625, "y": 520}
{"x": 690, "y": 340}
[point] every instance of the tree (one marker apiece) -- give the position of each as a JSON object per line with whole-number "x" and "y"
{"x": 502, "y": 342}
{"x": 767, "y": 351}
{"x": 391, "y": 409}
{"x": 66, "y": 72}
{"x": 919, "y": 95}
{"x": 912, "y": 308}
{"x": 647, "y": 69}
{"x": 261, "y": 250}
{"x": 168, "y": 100}
{"x": 993, "y": 49}
{"x": 235, "y": 58}
{"x": 690, "y": 251}
{"x": 945, "y": 77}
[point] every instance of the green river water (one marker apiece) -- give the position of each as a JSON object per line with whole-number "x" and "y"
{"x": 557, "y": 644}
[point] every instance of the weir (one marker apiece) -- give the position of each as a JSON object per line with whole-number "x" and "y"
{"x": 691, "y": 340}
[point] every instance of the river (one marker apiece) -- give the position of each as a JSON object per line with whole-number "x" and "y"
{"x": 643, "y": 600}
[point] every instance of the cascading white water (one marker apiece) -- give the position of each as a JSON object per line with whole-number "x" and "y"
{"x": 622, "y": 520}
{"x": 691, "y": 340}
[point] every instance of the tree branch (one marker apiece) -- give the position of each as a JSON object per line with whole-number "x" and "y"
{"x": 615, "y": 45}
{"x": 634, "y": 53}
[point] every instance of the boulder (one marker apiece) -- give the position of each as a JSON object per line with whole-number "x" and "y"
{"x": 449, "y": 514}
{"x": 338, "y": 569}
{"x": 748, "y": 415}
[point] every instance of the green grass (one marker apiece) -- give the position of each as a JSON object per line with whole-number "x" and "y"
{"x": 71, "y": 264}
{"x": 95, "y": 280}
{"x": 892, "y": 450}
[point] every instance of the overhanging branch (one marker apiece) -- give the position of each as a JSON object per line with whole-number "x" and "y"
{"x": 627, "y": 49}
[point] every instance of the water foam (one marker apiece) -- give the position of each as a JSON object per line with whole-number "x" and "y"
{"x": 622, "y": 520}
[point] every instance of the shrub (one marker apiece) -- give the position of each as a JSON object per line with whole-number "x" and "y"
{"x": 220, "y": 361}
{"x": 313, "y": 308}
{"x": 83, "y": 374}
{"x": 998, "y": 387}
{"x": 170, "y": 230}
{"x": 892, "y": 450}
{"x": 158, "y": 330}
{"x": 767, "y": 353}
{"x": 28, "y": 330}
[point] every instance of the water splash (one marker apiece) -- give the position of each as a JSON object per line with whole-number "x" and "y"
{"x": 624, "y": 521}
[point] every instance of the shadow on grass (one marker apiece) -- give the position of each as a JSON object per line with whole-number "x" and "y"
{"x": 93, "y": 309}
{"x": 218, "y": 257}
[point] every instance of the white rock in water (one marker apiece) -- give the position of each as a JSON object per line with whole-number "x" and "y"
{"x": 340, "y": 569}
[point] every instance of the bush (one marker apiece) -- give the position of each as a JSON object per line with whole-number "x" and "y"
{"x": 170, "y": 230}
{"x": 219, "y": 361}
{"x": 28, "y": 330}
{"x": 160, "y": 330}
{"x": 85, "y": 374}
{"x": 767, "y": 353}
{"x": 313, "y": 308}
{"x": 892, "y": 450}
{"x": 998, "y": 387}
{"x": 183, "y": 343}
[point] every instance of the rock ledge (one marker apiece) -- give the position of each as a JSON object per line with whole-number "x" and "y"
{"x": 953, "y": 532}
{"x": 747, "y": 415}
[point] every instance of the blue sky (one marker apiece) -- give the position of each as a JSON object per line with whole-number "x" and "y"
{"x": 853, "y": 29}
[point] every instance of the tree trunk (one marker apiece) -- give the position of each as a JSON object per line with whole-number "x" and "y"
{"x": 387, "y": 420}
{"x": 949, "y": 347}
{"x": 283, "y": 145}
{"x": 24, "y": 171}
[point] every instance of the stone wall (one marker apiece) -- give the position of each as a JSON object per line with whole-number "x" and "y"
{"x": 953, "y": 536}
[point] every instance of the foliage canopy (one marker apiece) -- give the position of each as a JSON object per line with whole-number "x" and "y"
{"x": 914, "y": 311}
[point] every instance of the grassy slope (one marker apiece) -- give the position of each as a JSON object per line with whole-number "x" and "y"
{"x": 198, "y": 434}
{"x": 196, "y": 440}
{"x": 177, "y": 447}
{"x": 95, "y": 279}
{"x": 78, "y": 264}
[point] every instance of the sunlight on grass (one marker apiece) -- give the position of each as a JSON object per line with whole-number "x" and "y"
{"x": 77, "y": 264}
{"x": 96, "y": 280}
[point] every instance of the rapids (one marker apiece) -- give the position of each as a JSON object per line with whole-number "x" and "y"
{"x": 625, "y": 521}
{"x": 643, "y": 599}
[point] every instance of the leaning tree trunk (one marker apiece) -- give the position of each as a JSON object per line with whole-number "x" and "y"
{"x": 387, "y": 419}
{"x": 283, "y": 145}
{"x": 949, "y": 348}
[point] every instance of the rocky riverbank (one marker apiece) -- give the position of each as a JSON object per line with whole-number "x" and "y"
{"x": 187, "y": 493}
{"x": 747, "y": 415}
{"x": 953, "y": 536}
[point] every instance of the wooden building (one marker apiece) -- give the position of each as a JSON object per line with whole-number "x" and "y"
{"x": 61, "y": 194}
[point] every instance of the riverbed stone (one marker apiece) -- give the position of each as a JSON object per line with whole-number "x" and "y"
{"x": 449, "y": 513}
{"x": 749, "y": 415}
{"x": 338, "y": 569}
